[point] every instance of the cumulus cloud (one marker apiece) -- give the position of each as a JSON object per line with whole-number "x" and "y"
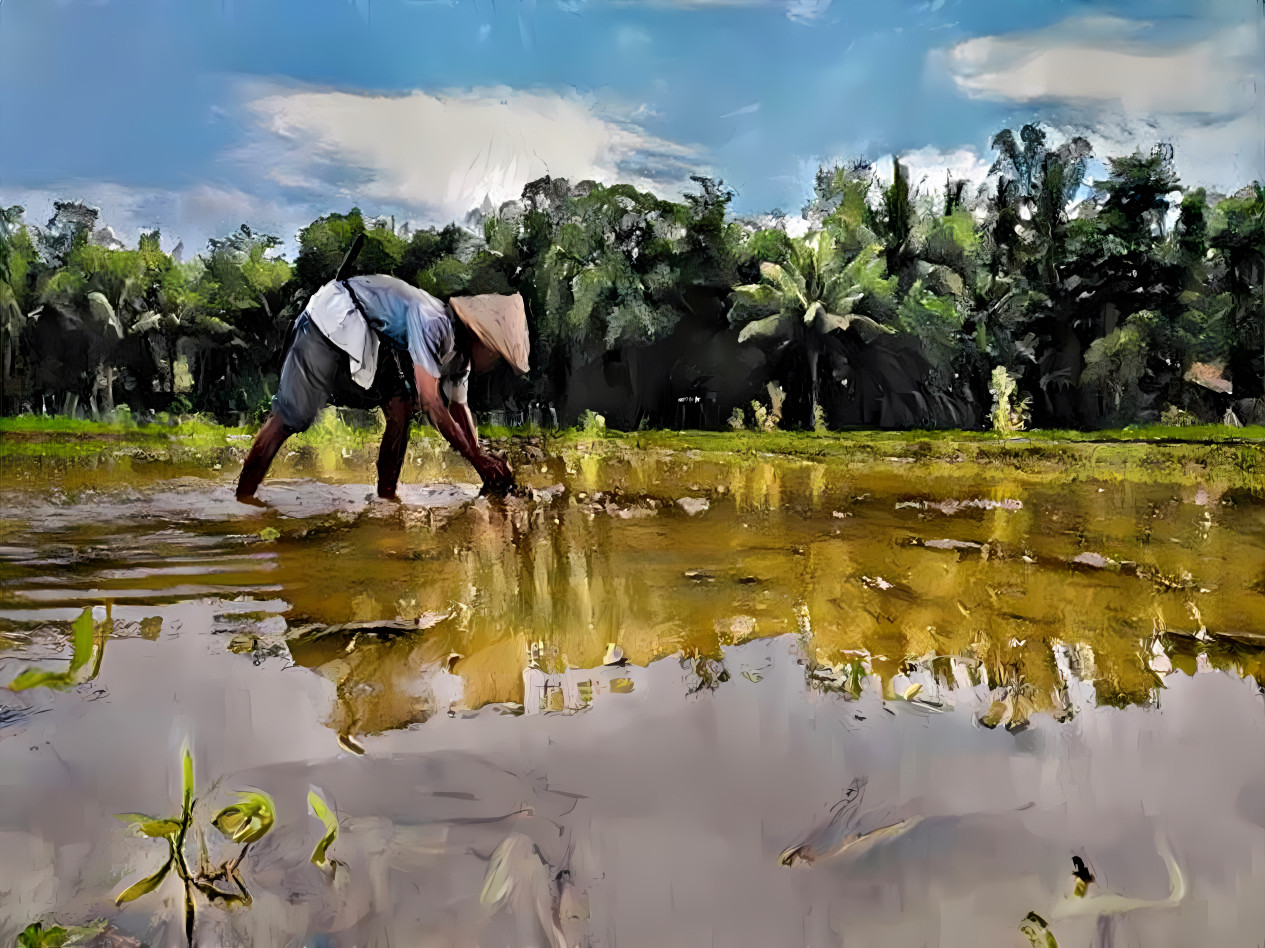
{"x": 1115, "y": 81}
{"x": 439, "y": 155}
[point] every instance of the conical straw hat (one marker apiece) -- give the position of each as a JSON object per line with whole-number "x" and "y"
{"x": 500, "y": 322}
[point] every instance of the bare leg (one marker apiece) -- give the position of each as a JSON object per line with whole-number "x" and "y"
{"x": 267, "y": 443}
{"x": 399, "y": 411}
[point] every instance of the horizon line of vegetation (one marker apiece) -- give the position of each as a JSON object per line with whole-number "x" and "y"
{"x": 1041, "y": 299}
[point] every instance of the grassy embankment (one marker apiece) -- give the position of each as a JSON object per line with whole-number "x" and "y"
{"x": 1150, "y": 453}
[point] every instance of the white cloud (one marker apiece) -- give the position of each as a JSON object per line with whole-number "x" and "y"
{"x": 928, "y": 168}
{"x": 1112, "y": 80}
{"x": 806, "y": 10}
{"x": 1106, "y": 59}
{"x": 190, "y": 216}
{"x": 440, "y": 155}
{"x": 745, "y": 110}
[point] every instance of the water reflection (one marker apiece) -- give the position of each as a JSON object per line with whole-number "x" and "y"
{"x": 580, "y": 689}
{"x": 922, "y": 589}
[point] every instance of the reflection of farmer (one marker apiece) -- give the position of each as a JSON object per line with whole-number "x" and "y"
{"x": 376, "y": 340}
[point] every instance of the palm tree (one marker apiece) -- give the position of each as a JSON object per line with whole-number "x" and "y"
{"x": 812, "y": 295}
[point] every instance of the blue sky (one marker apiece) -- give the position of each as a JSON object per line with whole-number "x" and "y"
{"x": 196, "y": 115}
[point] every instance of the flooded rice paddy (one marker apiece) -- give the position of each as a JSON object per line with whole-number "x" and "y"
{"x": 660, "y": 698}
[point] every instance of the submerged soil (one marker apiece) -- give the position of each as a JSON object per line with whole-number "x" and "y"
{"x": 600, "y": 710}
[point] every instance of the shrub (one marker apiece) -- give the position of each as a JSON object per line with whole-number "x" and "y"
{"x": 1177, "y": 417}
{"x": 593, "y": 424}
{"x": 1008, "y": 415}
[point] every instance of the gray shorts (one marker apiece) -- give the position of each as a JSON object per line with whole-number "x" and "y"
{"x": 316, "y": 372}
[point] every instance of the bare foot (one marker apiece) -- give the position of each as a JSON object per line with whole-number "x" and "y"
{"x": 250, "y": 500}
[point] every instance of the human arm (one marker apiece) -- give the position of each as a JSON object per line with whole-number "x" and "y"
{"x": 461, "y": 411}
{"x": 457, "y": 427}
{"x": 465, "y": 417}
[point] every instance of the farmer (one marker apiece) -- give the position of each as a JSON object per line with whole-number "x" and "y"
{"x": 376, "y": 340}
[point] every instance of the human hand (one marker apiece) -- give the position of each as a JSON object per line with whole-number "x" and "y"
{"x": 495, "y": 472}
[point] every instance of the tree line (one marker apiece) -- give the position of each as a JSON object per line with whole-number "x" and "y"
{"x": 1041, "y": 297}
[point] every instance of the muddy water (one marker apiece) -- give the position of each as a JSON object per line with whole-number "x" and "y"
{"x": 631, "y": 690}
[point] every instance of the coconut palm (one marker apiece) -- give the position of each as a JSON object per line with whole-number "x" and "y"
{"x": 811, "y": 296}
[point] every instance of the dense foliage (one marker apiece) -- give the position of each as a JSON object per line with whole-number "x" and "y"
{"x": 1044, "y": 297}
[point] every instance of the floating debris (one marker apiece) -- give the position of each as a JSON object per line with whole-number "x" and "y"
{"x": 1037, "y": 932}
{"x": 952, "y": 544}
{"x": 693, "y": 505}
{"x": 835, "y": 840}
{"x": 953, "y": 506}
{"x": 1096, "y": 560}
{"x": 1084, "y": 878}
{"x": 1111, "y": 903}
{"x": 518, "y": 879}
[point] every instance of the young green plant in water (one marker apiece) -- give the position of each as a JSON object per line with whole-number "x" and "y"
{"x": 86, "y": 651}
{"x": 36, "y": 935}
{"x": 245, "y": 822}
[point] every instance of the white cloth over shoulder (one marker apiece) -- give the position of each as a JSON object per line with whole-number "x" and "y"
{"x": 332, "y": 311}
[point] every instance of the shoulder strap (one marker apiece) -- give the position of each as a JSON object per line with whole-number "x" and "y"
{"x": 392, "y": 355}
{"x": 360, "y": 307}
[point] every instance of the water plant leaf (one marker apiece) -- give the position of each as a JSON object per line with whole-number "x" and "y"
{"x": 81, "y": 641}
{"x": 36, "y": 935}
{"x": 150, "y": 826}
{"x": 268, "y": 534}
{"x": 249, "y": 819}
{"x": 35, "y": 678}
{"x": 350, "y": 744}
{"x": 148, "y": 884}
{"x": 326, "y": 816}
{"x": 186, "y": 775}
{"x": 81, "y": 649}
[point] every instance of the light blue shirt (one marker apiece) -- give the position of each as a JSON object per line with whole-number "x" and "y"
{"x": 410, "y": 318}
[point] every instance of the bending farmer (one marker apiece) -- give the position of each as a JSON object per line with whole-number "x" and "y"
{"x": 376, "y": 340}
